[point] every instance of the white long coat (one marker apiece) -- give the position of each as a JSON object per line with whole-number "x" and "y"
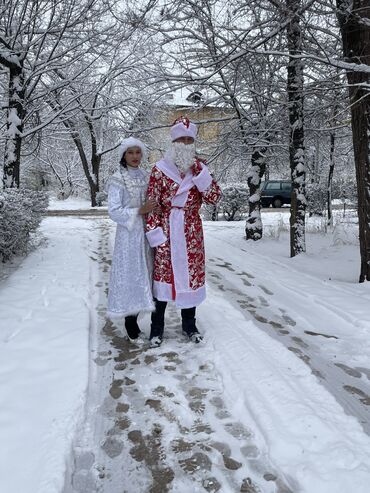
{"x": 130, "y": 286}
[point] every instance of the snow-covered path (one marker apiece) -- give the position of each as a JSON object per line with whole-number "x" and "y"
{"x": 275, "y": 400}
{"x": 158, "y": 420}
{"x": 239, "y": 413}
{"x": 326, "y": 325}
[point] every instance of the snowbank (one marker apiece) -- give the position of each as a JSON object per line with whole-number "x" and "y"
{"x": 296, "y": 422}
{"x": 72, "y": 203}
{"x": 44, "y": 309}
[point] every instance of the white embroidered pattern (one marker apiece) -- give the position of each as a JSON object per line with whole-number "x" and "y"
{"x": 132, "y": 258}
{"x": 136, "y": 185}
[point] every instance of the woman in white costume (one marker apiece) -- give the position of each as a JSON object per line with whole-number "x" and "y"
{"x": 130, "y": 286}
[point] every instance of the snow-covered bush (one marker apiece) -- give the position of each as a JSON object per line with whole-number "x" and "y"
{"x": 316, "y": 194}
{"x": 210, "y": 212}
{"x": 20, "y": 215}
{"x": 345, "y": 234}
{"x": 101, "y": 197}
{"x": 234, "y": 202}
{"x": 278, "y": 227}
{"x": 345, "y": 189}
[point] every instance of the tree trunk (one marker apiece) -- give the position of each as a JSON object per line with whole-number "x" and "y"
{"x": 95, "y": 160}
{"x": 95, "y": 164}
{"x": 14, "y": 128}
{"x": 92, "y": 178}
{"x": 85, "y": 165}
{"x": 253, "y": 227}
{"x": 296, "y": 143}
{"x": 93, "y": 192}
{"x": 330, "y": 178}
{"x": 214, "y": 214}
{"x": 354, "y": 21}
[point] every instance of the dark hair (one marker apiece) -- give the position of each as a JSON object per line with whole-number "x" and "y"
{"x": 123, "y": 160}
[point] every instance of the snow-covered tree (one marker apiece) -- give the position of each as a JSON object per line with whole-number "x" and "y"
{"x": 37, "y": 38}
{"x": 234, "y": 201}
{"x": 253, "y": 227}
{"x": 109, "y": 94}
{"x": 296, "y": 141}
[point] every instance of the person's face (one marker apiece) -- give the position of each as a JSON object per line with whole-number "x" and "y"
{"x": 133, "y": 156}
{"x": 185, "y": 140}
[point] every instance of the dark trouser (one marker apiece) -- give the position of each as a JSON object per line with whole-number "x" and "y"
{"x": 132, "y": 327}
{"x": 157, "y": 327}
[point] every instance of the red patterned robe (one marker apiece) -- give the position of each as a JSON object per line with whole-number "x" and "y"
{"x": 176, "y": 231}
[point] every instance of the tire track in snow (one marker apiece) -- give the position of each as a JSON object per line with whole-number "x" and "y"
{"x": 307, "y": 433}
{"x": 248, "y": 293}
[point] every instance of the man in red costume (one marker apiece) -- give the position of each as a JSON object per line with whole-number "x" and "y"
{"x": 179, "y": 183}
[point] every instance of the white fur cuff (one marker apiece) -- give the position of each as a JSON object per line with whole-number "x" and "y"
{"x": 156, "y": 237}
{"x": 203, "y": 180}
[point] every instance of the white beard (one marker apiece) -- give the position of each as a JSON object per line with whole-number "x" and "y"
{"x": 183, "y": 155}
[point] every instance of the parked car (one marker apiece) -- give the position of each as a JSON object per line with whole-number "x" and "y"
{"x": 276, "y": 193}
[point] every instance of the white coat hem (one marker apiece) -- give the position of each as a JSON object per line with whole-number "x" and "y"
{"x": 184, "y": 299}
{"x": 113, "y": 316}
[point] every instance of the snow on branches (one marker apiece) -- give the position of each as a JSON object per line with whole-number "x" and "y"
{"x": 21, "y": 212}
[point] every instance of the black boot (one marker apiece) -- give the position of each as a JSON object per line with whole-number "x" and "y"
{"x": 156, "y": 335}
{"x": 188, "y": 325}
{"x": 157, "y": 325}
{"x": 132, "y": 327}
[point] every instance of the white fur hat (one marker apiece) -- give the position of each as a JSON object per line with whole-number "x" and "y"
{"x": 131, "y": 142}
{"x": 183, "y": 127}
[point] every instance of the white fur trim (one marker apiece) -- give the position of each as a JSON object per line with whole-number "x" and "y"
{"x": 184, "y": 299}
{"x": 119, "y": 316}
{"x": 203, "y": 180}
{"x": 131, "y": 142}
{"x": 181, "y": 130}
{"x": 156, "y": 237}
{"x": 179, "y": 252}
{"x": 169, "y": 168}
{"x": 185, "y": 186}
